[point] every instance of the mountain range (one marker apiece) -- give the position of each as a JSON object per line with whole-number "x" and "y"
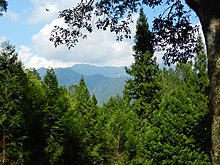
{"x": 103, "y": 82}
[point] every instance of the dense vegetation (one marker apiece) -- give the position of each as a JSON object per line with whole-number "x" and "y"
{"x": 163, "y": 117}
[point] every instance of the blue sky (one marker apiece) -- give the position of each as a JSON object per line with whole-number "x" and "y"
{"x": 27, "y": 25}
{"x": 13, "y": 23}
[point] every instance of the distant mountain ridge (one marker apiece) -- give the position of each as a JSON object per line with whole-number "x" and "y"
{"x": 107, "y": 71}
{"x": 104, "y": 82}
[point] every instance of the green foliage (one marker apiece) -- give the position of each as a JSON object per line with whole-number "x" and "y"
{"x": 182, "y": 122}
{"x": 81, "y": 92}
{"x": 3, "y": 6}
{"x": 177, "y": 122}
{"x": 13, "y": 88}
{"x": 42, "y": 123}
{"x": 144, "y": 86}
{"x": 33, "y": 73}
{"x": 200, "y": 68}
{"x": 115, "y": 131}
{"x": 56, "y": 130}
{"x": 72, "y": 134}
{"x": 36, "y": 104}
{"x": 143, "y": 38}
{"x": 50, "y": 79}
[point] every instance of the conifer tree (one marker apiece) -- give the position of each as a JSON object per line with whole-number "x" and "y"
{"x": 202, "y": 86}
{"x": 36, "y": 103}
{"x": 143, "y": 38}
{"x": 78, "y": 123}
{"x": 81, "y": 91}
{"x": 52, "y": 93}
{"x": 50, "y": 79}
{"x": 201, "y": 68}
{"x": 182, "y": 122}
{"x": 81, "y": 94}
{"x": 53, "y": 112}
{"x": 59, "y": 139}
{"x": 33, "y": 73}
{"x": 13, "y": 91}
{"x": 176, "y": 128}
{"x": 143, "y": 87}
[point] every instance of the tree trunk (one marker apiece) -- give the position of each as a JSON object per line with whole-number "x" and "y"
{"x": 209, "y": 15}
{"x": 213, "y": 45}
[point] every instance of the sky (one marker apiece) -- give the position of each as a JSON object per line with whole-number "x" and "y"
{"x": 27, "y": 25}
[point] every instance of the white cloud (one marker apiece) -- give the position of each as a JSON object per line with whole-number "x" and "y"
{"x": 159, "y": 56}
{"x": 2, "y": 39}
{"x": 13, "y": 16}
{"x": 99, "y": 48}
{"x": 46, "y": 10}
{"x": 31, "y": 60}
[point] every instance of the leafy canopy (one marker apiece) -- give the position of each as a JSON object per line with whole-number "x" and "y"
{"x": 3, "y": 6}
{"x": 143, "y": 87}
{"x": 172, "y": 27}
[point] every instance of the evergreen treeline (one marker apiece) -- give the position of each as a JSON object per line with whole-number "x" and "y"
{"x": 163, "y": 117}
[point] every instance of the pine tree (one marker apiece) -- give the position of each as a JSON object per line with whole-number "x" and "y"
{"x": 53, "y": 112}
{"x": 202, "y": 86}
{"x": 182, "y": 123}
{"x": 78, "y": 124}
{"x": 13, "y": 91}
{"x": 36, "y": 103}
{"x": 52, "y": 93}
{"x": 50, "y": 79}
{"x": 176, "y": 126}
{"x": 59, "y": 137}
{"x": 143, "y": 87}
{"x": 201, "y": 68}
{"x": 143, "y": 38}
{"x": 81, "y": 94}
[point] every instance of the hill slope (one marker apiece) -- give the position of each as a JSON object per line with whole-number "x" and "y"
{"x": 95, "y": 77}
{"x": 107, "y": 71}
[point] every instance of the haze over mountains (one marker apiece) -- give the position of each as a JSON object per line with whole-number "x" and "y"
{"x": 104, "y": 82}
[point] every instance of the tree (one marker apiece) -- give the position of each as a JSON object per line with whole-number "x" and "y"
{"x": 52, "y": 93}
{"x": 144, "y": 86}
{"x": 143, "y": 36}
{"x": 181, "y": 125}
{"x": 176, "y": 126}
{"x": 13, "y": 91}
{"x": 200, "y": 68}
{"x": 78, "y": 123}
{"x": 172, "y": 28}
{"x": 58, "y": 138}
{"x": 36, "y": 102}
{"x": 3, "y": 6}
{"x": 33, "y": 73}
{"x": 52, "y": 90}
{"x": 53, "y": 112}
{"x": 50, "y": 79}
{"x": 81, "y": 94}
{"x": 116, "y": 132}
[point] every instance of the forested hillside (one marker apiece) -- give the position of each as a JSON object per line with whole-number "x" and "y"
{"x": 162, "y": 117}
{"x": 103, "y": 82}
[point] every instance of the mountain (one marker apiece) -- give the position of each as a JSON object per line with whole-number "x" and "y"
{"x": 104, "y": 82}
{"x": 108, "y": 87}
{"x": 107, "y": 71}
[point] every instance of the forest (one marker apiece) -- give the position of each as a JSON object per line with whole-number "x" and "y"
{"x": 162, "y": 117}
